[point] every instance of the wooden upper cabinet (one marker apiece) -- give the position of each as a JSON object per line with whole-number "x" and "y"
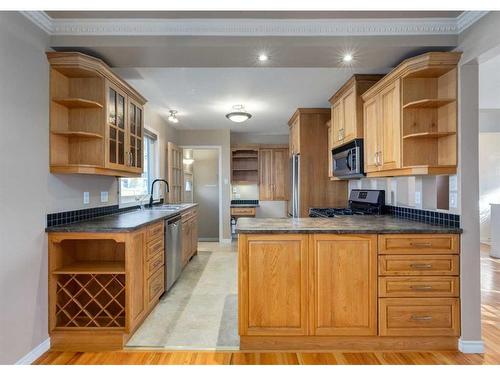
{"x": 416, "y": 119}
{"x": 273, "y": 294}
{"x": 273, "y": 171}
{"x": 96, "y": 119}
{"x": 344, "y": 268}
{"x": 294, "y": 138}
{"x": 390, "y": 132}
{"x": 371, "y": 141}
{"x": 347, "y": 108}
{"x": 266, "y": 175}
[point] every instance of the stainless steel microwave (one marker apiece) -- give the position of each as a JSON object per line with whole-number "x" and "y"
{"x": 347, "y": 160}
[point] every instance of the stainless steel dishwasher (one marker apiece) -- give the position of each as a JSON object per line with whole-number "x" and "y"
{"x": 173, "y": 250}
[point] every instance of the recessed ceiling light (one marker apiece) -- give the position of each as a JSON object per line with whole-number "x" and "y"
{"x": 263, "y": 57}
{"x": 172, "y": 117}
{"x": 347, "y": 57}
{"x": 239, "y": 114}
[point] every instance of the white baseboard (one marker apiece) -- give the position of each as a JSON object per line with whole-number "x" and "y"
{"x": 226, "y": 240}
{"x": 33, "y": 355}
{"x": 469, "y": 346}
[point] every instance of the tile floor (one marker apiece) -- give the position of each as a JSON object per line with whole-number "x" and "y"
{"x": 200, "y": 311}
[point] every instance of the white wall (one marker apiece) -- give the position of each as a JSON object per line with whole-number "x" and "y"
{"x": 250, "y": 138}
{"x": 489, "y": 180}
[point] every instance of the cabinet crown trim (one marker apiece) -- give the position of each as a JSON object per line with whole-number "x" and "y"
{"x": 438, "y": 61}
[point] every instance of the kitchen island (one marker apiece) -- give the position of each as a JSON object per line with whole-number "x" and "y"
{"x": 348, "y": 283}
{"x": 107, "y": 274}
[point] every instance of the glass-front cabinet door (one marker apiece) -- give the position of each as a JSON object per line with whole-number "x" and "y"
{"x": 135, "y": 121}
{"x": 117, "y": 153}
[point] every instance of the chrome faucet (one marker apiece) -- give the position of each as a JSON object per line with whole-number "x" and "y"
{"x": 152, "y": 185}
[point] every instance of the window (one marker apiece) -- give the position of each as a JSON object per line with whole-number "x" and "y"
{"x": 136, "y": 190}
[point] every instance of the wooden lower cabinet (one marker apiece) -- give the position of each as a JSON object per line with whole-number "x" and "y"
{"x": 344, "y": 281}
{"x": 328, "y": 291}
{"x": 189, "y": 235}
{"x": 273, "y": 294}
{"x": 102, "y": 286}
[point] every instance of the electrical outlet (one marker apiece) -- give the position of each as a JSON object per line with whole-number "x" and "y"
{"x": 453, "y": 183}
{"x": 104, "y": 196}
{"x": 86, "y": 197}
{"x": 418, "y": 198}
{"x": 453, "y": 200}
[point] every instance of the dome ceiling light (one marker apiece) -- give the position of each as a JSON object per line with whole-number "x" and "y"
{"x": 239, "y": 114}
{"x": 172, "y": 117}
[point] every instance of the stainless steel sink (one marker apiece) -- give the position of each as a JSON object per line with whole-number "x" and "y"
{"x": 169, "y": 207}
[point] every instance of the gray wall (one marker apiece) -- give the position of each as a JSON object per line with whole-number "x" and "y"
{"x": 246, "y": 138}
{"x": 206, "y": 192}
{"x": 24, "y": 156}
{"x": 28, "y": 192}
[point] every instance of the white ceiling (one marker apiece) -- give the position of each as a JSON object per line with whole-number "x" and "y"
{"x": 202, "y": 96}
{"x": 489, "y": 84}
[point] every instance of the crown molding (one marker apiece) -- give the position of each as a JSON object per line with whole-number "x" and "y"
{"x": 466, "y": 19}
{"x": 40, "y": 18}
{"x": 253, "y": 27}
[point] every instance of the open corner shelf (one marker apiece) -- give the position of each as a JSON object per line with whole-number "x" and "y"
{"x": 77, "y": 103}
{"x": 91, "y": 267}
{"x": 78, "y": 134}
{"x": 428, "y": 135}
{"x": 428, "y": 103}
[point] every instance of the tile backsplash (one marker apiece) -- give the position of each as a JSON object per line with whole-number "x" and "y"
{"x": 424, "y": 216}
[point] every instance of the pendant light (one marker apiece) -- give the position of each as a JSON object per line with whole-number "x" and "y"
{"x": 239, "y": 114}
{"x": 172, "y": 117}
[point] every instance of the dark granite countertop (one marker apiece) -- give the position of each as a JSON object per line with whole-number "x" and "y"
{"x": 122, "y": 222}
{"x": 339, "y": 225}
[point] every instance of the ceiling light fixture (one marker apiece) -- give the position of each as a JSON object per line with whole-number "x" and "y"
{"x": 239, "y": 114}
{"x": 263, "y": 57}
{"x": 347, "y": 58}
{"x": 188, "y": 161}
{"x": 172, "y": 117}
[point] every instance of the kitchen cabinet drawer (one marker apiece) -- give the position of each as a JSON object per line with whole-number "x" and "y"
{"x": 239, "y": 211}
{"x": 402, "y": 265}
{"x": 156, "y": 285}
{"x": 155, "y": 231}
{"x": 155, "y": 263}
{"x": 418, "y": 244}
{"x": 419, "y": 317}
{"x": 419, "y": 286}
{"x": 154, "y": 247}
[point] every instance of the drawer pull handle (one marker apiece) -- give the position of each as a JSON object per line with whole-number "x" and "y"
{"x": 423, "y": 317}
{"x": 420, "y": 287}
{"x": 421, "y": 265}
{"x": 420, "y": 244}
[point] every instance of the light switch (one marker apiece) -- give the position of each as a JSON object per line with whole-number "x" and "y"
{"x": 104, "y": 196}
{"x": 86, "y": 197}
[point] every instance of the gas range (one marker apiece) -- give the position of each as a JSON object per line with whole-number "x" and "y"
{"x": 361, "y": 202}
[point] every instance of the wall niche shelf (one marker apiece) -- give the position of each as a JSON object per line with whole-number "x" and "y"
{"x": 77, "y": 134}
{"x": 77, "y": 103}
{"x": 428, "y": 135}
{"x": 428, "y": 103}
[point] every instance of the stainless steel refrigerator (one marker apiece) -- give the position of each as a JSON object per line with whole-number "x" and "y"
{"x": 294, "y": 204}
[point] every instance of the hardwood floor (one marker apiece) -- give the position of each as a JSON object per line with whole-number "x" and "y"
{"x": 490, "y": 290}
